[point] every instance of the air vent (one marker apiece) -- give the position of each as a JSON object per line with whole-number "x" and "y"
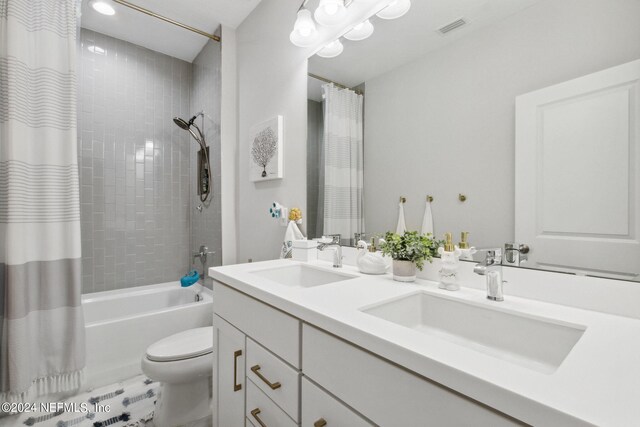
{"x": 452, "y": 26}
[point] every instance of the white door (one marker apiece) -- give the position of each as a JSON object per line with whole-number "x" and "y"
{"x": 229, "y": 363}
{"x": 577, "y": 174}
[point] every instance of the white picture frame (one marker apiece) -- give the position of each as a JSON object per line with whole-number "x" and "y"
{"x": 266, "y": 142}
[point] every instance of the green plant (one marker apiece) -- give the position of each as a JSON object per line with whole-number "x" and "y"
{"x": 410, "y": 246}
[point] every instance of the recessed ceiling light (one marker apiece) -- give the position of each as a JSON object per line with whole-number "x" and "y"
{"x": 103, "y": 8}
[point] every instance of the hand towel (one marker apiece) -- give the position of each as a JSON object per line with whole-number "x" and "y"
{"x": 401, "y": 227}
{"x": 292, "y": 233}
{"x": 427, "y": 220}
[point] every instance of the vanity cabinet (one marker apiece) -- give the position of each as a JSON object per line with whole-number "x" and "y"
{"x": 266, "y": 391}
{"x": 385, "y": 393}
{"x": 229, "y": 363}
{"x": 294, "y": 374}
{"x": 320, "y": 409}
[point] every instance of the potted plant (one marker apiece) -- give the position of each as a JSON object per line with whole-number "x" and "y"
{"x": 408, "y": 251}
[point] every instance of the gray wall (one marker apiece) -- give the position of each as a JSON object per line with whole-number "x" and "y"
{"x": 272, "y": 80}
{"x": 444, "y": 124}
{"x": 315, "y": 131}
{"x": 134, "y": 164}
{"x": 205, "y": 95}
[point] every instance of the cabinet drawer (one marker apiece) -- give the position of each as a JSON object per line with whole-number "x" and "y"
{"x": 272, "y": 328}
{"x": 319, "y": 407}
{"x": 386, "y": 394}
{"x": 275, "y": 378}
{"x": 262, "y": 412}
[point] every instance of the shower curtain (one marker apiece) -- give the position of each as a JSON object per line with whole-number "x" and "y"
{"x": 343, "y": 161}
{"x": 41, "y": 322}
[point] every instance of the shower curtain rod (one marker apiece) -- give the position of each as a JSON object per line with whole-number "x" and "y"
{"x": 169, "y": 20}
{"x": 341, "y": 86}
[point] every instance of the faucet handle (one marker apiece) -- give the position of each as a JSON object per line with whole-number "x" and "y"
{"x": 494, "y": 255}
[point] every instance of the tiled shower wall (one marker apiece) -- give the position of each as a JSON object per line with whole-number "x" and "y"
{"x": 134, "y": 164}
{"x": 205, "y": 96}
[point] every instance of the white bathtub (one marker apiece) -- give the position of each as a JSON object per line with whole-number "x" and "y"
{"x": 121, "y": 324}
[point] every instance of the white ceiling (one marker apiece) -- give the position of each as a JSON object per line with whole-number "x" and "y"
{"x": 152, "y": 33}
{"x": 397, "y": 42}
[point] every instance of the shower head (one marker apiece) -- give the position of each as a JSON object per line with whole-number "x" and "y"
{"x": 181, "y": 122}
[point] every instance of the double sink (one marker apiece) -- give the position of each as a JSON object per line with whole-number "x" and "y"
{"x": 536, "y": 343}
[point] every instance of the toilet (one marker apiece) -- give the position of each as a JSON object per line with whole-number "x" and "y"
{"x": 183, "y": 365}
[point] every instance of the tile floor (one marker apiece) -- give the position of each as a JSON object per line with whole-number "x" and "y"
{"x": 130, "y": 404}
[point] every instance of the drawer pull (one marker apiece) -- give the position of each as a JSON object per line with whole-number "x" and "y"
{"x": 236, "y": 386}
{"x": 256, "y": 370}
{"x": 320, "y": 423}
{"x": 255, "y": 413}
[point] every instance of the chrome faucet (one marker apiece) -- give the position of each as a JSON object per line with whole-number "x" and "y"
{"x": 202, "y": 253}
{"x": 491, "y": 267}
{"x": 335, "y": 245}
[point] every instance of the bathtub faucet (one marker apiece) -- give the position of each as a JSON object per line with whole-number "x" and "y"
{"x": 202, "y": 253}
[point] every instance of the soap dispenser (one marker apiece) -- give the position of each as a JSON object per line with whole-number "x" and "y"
{"x": 449, "y": 255}
{"x": 466, "y": 251}
{"x": 370, "y": 262}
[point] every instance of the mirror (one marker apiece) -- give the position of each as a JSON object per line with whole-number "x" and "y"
{"x": 494, "y": 108}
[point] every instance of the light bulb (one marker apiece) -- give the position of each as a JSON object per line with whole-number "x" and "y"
{"x": 103, "y": 8}
{"x": 330, "y": 12}
{"x": 360, "y": 31}
{"x": 395, "y": 9}
{"x": 331, "y": 50}
{"x": 304, "y": 32}
{"x": 331, "y": 9}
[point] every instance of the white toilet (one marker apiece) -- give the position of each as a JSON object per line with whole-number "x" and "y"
{"x": 183, "y": 364}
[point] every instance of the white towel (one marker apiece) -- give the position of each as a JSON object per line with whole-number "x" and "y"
{"x": 427, "y": 220}
{"x": 401, "y": 227}
{"x": 292, "y": 233}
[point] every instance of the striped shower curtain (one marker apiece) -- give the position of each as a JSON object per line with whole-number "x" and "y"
{"x": 41, "y": 322}
{"x": 343, "y": 162}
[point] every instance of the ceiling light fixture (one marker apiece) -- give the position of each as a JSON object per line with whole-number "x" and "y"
{"x": 395, "y": 9}
{"x": 330, "y": 12}
{"x": 360, "y": 31}
{"x": 103, "y": 8}
{"x": 304, "y": 32}
{"x": 331, "y": 50}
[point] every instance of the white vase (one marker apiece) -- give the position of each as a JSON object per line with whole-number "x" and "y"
{"x": 404, "y": 271}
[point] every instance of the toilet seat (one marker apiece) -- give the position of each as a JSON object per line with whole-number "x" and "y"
{"x": 183, "y": 345}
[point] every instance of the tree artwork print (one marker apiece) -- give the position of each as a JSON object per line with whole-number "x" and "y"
{"x": 265, "y": 145}
{"x": 266, "y": 150}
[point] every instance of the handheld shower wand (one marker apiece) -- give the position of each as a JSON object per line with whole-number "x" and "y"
{"x": 204, "y": 169}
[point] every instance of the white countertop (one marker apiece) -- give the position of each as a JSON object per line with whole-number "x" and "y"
{"x": 597, "y": 383}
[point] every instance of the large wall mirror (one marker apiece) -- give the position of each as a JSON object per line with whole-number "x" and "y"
{"x": 528, "y": 108}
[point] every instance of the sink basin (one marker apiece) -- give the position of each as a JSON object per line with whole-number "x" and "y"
{"x": 301, "y": 275}
{"x": 536, "y": 343}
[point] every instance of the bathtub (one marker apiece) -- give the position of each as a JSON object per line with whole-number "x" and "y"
{"x": 121, "y": 324}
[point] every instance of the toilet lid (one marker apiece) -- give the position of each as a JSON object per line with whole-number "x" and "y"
{"x": 183, "y": 345}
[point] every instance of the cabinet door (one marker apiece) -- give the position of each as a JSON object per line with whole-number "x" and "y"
{"x": 321, "y": 410}
{"x": 230, "y": 366}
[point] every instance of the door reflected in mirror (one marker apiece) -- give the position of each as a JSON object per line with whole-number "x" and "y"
{"x": 527, "y": 107}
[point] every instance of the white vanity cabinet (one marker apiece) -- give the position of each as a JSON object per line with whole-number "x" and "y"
{"x": 296, "y": 374}
{"x": 229, "y": 362}
{"x": 268, "y": 368}
{"x": 319, "y": 409}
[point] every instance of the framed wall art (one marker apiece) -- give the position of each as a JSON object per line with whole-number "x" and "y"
{"x": 266, "y": 150}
